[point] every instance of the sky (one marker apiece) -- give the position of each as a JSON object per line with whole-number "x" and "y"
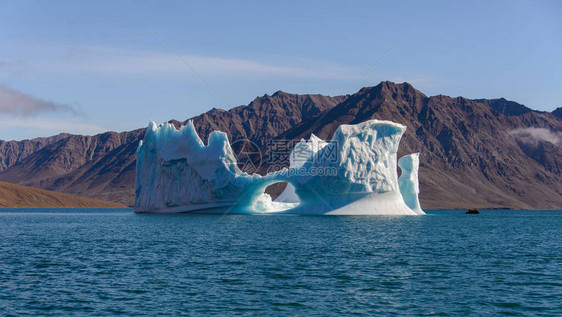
{"x": 86, "y": 67}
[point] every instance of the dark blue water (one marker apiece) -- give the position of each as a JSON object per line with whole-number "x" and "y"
{"x": 105, "y": 262}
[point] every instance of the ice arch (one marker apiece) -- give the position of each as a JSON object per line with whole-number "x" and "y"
{"x": 176, "y": 172}
{"x": 263, "y": 202}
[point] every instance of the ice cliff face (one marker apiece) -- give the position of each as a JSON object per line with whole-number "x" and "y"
{"x": 177, "y": 172}
{"x": 355, "y": 173}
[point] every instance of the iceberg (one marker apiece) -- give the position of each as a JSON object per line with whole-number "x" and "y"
{"x": 355, "y": 173}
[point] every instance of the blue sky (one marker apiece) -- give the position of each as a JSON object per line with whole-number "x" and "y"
{"x": 88, "y": 67}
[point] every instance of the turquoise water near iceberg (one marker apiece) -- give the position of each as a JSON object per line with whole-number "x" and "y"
{"x": 106, "y": 262}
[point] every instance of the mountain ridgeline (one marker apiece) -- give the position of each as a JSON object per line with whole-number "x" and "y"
{"x": 484, "y": 153}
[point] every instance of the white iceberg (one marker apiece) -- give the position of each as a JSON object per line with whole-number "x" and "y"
{"x": 353, "y": 174}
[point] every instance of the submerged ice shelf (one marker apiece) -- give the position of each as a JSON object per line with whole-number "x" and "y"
{"x": 353, "y": 174}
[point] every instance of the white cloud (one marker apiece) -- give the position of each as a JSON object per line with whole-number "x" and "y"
{"x": 532, "y": 136}
{"x": 21, "y": 104}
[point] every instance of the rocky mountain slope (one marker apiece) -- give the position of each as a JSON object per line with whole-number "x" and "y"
{"x": 481, "y": 153}
{"x": 12, "y": 152}
{"x": 264, "y": 118}
{"x": 100, "y": 166}
{"x": 558, "y": 112}
{"x": 474, "y": 153}
{"x": 12, "y": 195}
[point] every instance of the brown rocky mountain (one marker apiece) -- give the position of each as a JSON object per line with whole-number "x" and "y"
{"x": 478, "y": 153}
{"x": 12, "y": 152}
{"x": 100, "y": 166}
{"x": 558, "y": 112}
{"x": 264, "y": 118}
{"x": 103, "y": 166}
{"x": 474, "y": 153}
{"x": 506, "y": 107}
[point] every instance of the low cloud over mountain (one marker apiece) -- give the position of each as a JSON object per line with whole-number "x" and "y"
{"x": 532, "y": 136}
{"x": 18, "y": 103}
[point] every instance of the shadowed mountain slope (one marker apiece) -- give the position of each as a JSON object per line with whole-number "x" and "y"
{"x": 12, "y": 152}
{"x": 472, "y": 152}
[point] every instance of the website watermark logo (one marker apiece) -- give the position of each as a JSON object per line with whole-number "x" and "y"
{"x": 307, "y": 158}
{"x": 248, "y": 155}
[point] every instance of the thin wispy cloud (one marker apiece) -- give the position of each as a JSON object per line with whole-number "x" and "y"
{"x": 532, "y": 136}
{"x": 13, "y": 68}
{"x": 116, "y": 61}
{"x": 17, "y": 103}
{"x": 45, "y": 127}
{"x": 113, "y": 61}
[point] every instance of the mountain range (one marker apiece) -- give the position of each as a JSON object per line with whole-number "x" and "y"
{"x": 485, "y": 153}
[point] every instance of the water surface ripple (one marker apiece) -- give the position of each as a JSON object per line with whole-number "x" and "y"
{"x": 106, "y": 262}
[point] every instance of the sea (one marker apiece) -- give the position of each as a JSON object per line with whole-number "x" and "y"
{"x": 103, "y": 262}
